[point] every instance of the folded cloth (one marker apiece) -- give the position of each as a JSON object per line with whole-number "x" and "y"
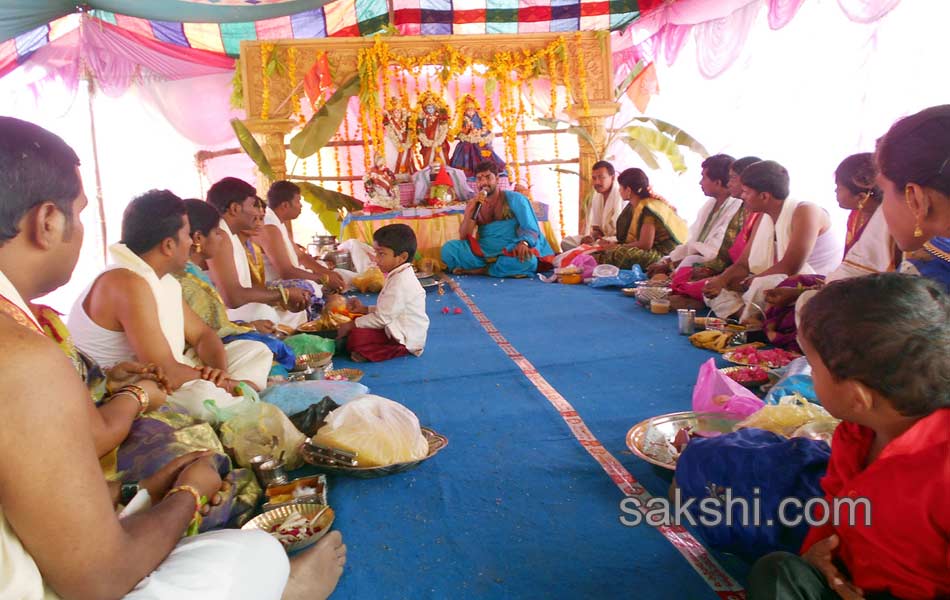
{"x": 752, "y": 464}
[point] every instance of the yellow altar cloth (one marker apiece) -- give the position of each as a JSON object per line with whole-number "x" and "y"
{"x": 432, "y": 226}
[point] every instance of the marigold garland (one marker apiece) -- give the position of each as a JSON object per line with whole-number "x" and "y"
{"x": 266, "y": 49}
{"x": 295, "y": 109}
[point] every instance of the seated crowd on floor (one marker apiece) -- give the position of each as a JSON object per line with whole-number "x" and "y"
{"x": 197, "y": 292}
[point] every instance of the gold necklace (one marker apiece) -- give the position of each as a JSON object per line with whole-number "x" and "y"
{"x": 945, "y": 256}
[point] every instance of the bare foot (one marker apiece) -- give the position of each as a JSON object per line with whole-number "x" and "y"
{"x": 315, "y": 572}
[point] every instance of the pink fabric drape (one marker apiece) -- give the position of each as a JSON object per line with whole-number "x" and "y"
{"x": 116, "y": 58}
{"x": 721, "y": 28}
{"x": 867, "y": 11}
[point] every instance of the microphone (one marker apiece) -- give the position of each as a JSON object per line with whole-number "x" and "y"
{"x": 478, "y": 204}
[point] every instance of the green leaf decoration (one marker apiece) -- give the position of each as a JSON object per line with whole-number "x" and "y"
{"x": 583, "y": 133}
{"x": 237, "y": 87}
{"x": 331, "y": 199}
{"x": 679, "y": 136}
{"x": 550, "y": 123}
{"x": 325, "y": 122}
{"x": 656, "y": 142}
{"x": 645, "y": 153}
{"x": 565, "y": 171}
{"x": 252, "y": 148}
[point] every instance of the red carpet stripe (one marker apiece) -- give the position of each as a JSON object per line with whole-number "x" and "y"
{"x": 691, "y": 548}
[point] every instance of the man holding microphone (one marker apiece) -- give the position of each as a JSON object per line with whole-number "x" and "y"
{"x": 499, "y": 235}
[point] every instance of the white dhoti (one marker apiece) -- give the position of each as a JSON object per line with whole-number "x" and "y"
{"x": 254, "y": 311}
{"x": 247, "y": 361}
{"x": 220, "y": 565}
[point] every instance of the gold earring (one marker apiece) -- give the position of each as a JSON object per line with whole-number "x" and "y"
{"x": 198, "y": 247}
{"x": 918, "y": 232}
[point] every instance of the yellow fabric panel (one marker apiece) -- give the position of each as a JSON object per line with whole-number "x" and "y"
{"x": 431, "y": 233}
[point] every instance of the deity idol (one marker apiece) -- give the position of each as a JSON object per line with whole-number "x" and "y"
{"x": 397, "y": 124}
{"x": 474, "y": 140}
{"x": 380, "y": 184}
{"x": 432, "y": 129}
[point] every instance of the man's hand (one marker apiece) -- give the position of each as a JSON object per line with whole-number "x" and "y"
{"x": 216, "y": 376}
{"x": 344, "y": 329}
{"x": 158, "y": 483}
{"x": 297, "y": 299}
{"x": 587, "y": 239}
{"x": 264, "y": 326}
{"x": 334, "y": 282}
{"x": 701, "y": 273}
{"x": 522, "y": 252}
{"x": 596, "y": 232}
{"x": 820, "y": 556}
{"x": 129, "y": 373}
{"x": 713, "y": 287}
{"x": 779, "y": 297}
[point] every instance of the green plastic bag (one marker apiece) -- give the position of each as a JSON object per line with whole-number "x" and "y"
{"x": 304, "y": 343}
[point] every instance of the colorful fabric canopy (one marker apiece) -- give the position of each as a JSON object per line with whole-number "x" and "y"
{"x": 340, "y": 18}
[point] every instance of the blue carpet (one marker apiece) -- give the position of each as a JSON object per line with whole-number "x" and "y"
{"x": 514, "y": 507}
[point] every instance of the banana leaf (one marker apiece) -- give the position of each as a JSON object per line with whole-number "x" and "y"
{"x": 325, "y": 122}
{"x": 641, "y": 138}
{"x": 565, "y": 171}
{"x": 252, "y": 148}
{"x": 622, "y": 88}
{"x": 575, "y": 129}
{"x": 679, "y": 136}
{"x": 325, "y": 204}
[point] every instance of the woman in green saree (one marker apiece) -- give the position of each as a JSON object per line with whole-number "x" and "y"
{"x": 648, "y": 228}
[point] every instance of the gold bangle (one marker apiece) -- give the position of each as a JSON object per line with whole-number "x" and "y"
{"x": 140, "y": 395}
{"x": 191, "y": 490}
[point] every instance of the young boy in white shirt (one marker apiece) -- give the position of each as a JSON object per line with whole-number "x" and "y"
{"x": 398, "y": 324}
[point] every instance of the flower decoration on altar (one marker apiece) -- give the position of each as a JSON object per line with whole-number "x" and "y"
{"x": 432, "y": 128}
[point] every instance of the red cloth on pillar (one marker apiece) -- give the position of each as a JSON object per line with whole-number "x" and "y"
{"x": 374, "y": 345}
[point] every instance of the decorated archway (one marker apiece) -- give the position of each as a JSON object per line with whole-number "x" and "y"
{"x": 580, "y": 63}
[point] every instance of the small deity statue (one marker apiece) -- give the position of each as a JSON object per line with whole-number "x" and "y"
{"x": 432, "y": 128}
{"x": 474, "y": 139}
{"x": 380, "y": 184}
{"x": 397, "y": 124}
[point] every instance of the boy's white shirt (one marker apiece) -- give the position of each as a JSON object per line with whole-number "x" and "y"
{"x": 400, "y": 310}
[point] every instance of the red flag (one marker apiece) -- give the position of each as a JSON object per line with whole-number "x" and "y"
{"x": 317, "y": 80}
{"x": 644, "y": 86}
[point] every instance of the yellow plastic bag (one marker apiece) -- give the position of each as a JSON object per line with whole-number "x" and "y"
{"x": 262, "y": 428}
{"x": 786, "y": 417}
{"x": 380, "y": 431}
{"x": 370, "y": 280}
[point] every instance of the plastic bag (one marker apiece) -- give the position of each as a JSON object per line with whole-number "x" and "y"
{"x": 717, "y": 392}
{"x": 312, "y": 418}
{"x": 291, "y": 398}
{"x": 370, "y": 281}
{"x": 381, "y": 431}
{"x": 623, "y": 278}
{"x": 789, "y": 415}
{"x": 795, "y": 378}
{"x": 304, "y": 343}
{"x": 255, "y": 430}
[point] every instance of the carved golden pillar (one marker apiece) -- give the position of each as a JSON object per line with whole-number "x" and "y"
{"x": 270, "y": 135}
{"x": 594, "y": 121}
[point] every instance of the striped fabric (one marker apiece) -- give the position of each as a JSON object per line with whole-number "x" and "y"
{"x": 349, "y": 18}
